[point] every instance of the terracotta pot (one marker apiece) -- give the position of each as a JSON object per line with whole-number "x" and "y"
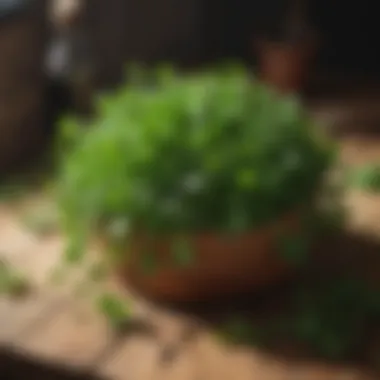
{"x": 223, "y": 264}
{"x": 285, "y": 65}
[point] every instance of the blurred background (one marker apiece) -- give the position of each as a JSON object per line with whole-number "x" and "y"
{"x": 321, "y": 49}
{"x": 56, "y": 54}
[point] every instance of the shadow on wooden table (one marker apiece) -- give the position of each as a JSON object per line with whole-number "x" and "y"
{"x": 14, "y": 366}
{"x": 344, "y": 257}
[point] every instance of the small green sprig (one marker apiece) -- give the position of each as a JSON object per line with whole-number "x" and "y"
{"x": 12, "y": 283}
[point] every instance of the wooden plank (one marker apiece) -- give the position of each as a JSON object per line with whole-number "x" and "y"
{"x": 38, "y": 260}
{"x": 17, "y": 316}
{"x": 78, "y": 336}
{"x": 220, "y": 361}
{"x": 184, "y": 365}
{"x": 359, "y": 150}
{"x": 74, "y": 337}
{"x": 211, "y": 358}
{"x": 321, "y": 371}
{"x": 134, "y": 354}
{"x": 216, "y": 361}
{"x": 13, "y": 239}
{"x": 158, "y": 350}
{"x": 34, "y": 257}
{"x": 24, "y": 252}
{"x": 136, "y": 359}
{"x": 176, "y": 336}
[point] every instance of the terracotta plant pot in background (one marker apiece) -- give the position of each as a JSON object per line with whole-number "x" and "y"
{"x": 222, "y": 264}
{"x": 285, "y": 65}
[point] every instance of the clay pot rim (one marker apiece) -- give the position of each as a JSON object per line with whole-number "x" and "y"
{"x": 222, "y": 266}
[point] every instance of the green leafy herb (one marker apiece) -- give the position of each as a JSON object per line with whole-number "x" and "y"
{"x": 330, "y": 318}
{"x": 366, "y": 178}
{"x": 75, "y": 249}
{"x": 148, "y": 263}
{"x": 11, "y": 282}
{"x": 294, "y": 248}
{"x": 182, "y": 252}
{"x": 98, "y": 271}
{"x": 114, "y": 309}
{"x": 241, "y": 331}
{"x": 198, "y": 152}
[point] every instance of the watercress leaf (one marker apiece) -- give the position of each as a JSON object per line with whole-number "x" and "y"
{"x": 148, "y": 263}
{"x": 246, "y": 178}
{"x": 182, "y": 252}
{"x": 366, "y": 177}
{"x": 294, "y": 247}
{"x": 74, "y": 253}
{"x": 239, "y": 330}
{"x": 98, "y": 271}
{"x": 333, "y": 345}
{"x": 114, "y": 308}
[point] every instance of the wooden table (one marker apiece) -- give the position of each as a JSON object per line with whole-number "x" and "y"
{"x": 53, "y": 326}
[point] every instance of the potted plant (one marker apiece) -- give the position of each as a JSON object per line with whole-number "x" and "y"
{"x": 22, "y": 89}
{"x": 198, "y": 183}
{"x": 285, "y": 56}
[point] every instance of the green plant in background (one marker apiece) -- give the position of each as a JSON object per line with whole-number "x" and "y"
{"x": 329, "y": 318}
{"x": 214, "y": 151}
{"x": 333, "y": 317}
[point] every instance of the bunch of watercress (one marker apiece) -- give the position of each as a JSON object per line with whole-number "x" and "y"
{"x": 216, "y": 151}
